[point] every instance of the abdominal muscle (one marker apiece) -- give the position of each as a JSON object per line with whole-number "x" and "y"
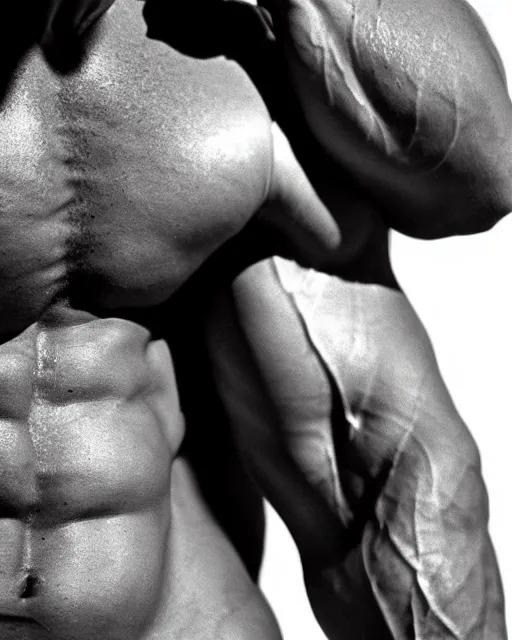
{"x": 89, "y": 427}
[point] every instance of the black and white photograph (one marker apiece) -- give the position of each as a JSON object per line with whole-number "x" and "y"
{"x": 255, "y": 319}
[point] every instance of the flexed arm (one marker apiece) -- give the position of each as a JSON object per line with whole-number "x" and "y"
{"x": 411, "y": 98}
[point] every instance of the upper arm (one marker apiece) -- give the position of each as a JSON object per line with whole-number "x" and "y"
{"x": 435, "y": 79}
{"x": 411, "y": 97}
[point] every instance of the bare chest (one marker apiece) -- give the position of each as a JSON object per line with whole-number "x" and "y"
{"x": 117, "y": 180}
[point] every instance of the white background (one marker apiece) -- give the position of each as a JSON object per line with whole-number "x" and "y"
{"x": 461, "y": 289}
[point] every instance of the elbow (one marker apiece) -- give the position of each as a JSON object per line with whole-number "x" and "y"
{"x": 469, "y": 213}
{"x": 471, "y": 221}
{"x": 495, "y": 205}
{"x": 484, "y": 197}
{"x": 502, "y": 203}
{"x": 444, "y": 221}
{"x": 490, "y": 183}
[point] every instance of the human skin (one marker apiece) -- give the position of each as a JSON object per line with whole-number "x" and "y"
{"x": 119, "y": 176}
{"x": 410, "y": 99}
{"x": 425, "y": 89}
{"x": 341, "y": 413}
{"x": 278, "y": 387}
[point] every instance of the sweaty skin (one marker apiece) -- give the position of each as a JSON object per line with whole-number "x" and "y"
{"x": 118, "y": 178}
{"x": 408, "y": 97}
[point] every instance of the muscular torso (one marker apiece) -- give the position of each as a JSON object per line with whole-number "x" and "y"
{"x": 90, "y": 423}
{"x": 117, "y": 180}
